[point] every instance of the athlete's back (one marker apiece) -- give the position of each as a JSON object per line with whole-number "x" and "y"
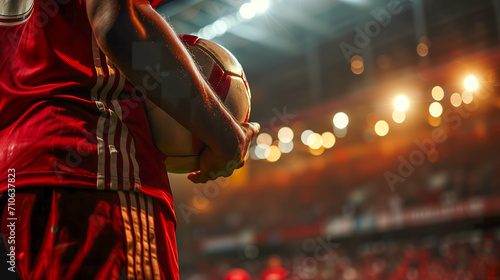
{"x": 67, "y": 114}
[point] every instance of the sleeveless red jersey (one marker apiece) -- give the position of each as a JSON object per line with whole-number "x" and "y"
{"x": 68, "y": 117}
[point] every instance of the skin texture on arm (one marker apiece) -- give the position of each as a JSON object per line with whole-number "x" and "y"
{"x": 181, "y": 91}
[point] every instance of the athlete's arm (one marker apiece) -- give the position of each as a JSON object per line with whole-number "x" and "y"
{"x": 117, "y": 25}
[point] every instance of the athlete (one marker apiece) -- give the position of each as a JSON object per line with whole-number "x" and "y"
{"x": 84, "y": 191}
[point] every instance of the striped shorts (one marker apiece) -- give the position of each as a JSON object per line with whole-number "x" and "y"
{"x": 63, "y": 233}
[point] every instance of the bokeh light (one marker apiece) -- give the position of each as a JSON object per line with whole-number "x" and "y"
{"x": 471, "y": 83}
{"x": 381, "y": 128}
{"x": 422, "y": 49}
{"x": 315, "y": 141}
{"x": 247, "y": 11}
{"x": 251, "y": 251}
{"x": 262, "y": 151}
{"x": 437, "y": 93}
{"x": 435, "y": 109}
{"x": 433, "y": 121}
{"x": 285, "y": 147}
{"x": 467, "y": 97}
{"x": 357, "y": 65}
{"x": 305, "y": 135}
{"x": 220, "y": 27}
{"x": 285, "y": 134}
{"x": 317, "y": 152}
{"x": 274, "y": 154}
{"x": 264, "y": 138}
{"x": 356, "y": 58}
{"x": 456, "y": 99}
{"x": 401, "y": 103}
{"x": 260, "y": 5}
{"x": 340, "y": 120}
{"x": 398, "y": 117}
{"x": 328, "y": 139}
{"x": 357, "y": 71}
{"x": 339, "y": 132}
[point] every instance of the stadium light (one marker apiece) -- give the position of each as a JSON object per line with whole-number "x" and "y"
{"x": 435, "y": 109}
{"x": 437, "y": 93}
{"x": 285, "y": 134}
{"x": 285, "y": 147}
{"x": 274, "y": 154}
{"x": 471, "y": 83}
{"x": 305, "y": 135}
{"x": 328, "y": 139}
{"x": 398, "y": 116}
{"x": 381, "y": 128}
{"x": 456, "y": 99}
{"x": 220, "y": 27}
{"x": 467, "y": 97}
{"x": 401, "y": 103}
{"x": 262, "y": 151}
{"x": 247, "y": 11}
{"x": 260, "y": 6}
{"x": 340, "y": 120}
{"x": 315, "y": 141}
{"x": 264, "y": 138}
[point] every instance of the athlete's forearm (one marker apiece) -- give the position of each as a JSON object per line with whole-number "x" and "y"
{"x": 175, "y": 84}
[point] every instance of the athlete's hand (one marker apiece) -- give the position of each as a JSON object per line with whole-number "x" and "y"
{"x": 215, "y": 164}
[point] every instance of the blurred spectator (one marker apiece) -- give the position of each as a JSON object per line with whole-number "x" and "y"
{"x": 237, "y": 274}
{"x": 274, "y": 269}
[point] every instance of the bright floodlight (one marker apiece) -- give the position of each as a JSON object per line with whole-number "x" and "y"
{"x": 340, "y": 120}
{"x": 260, "y": 5}
{"x": 247, "y": 11}
{"x": 471, "y": 83}
{"x": 285, "y": 134}
{"x": 401, "y": 103}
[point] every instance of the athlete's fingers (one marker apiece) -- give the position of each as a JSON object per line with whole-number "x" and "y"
{"x": 210, "y": 167}
{"x": 203, "y": 177}
{"x": 197, "y": 177}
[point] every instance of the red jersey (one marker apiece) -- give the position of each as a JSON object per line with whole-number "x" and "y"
{"x": 68, "y": 117}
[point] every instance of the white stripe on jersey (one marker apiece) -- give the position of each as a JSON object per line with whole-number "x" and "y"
{"x": 101, "y": 149}
{"x": 152, "y": 239}
{"x": 145, "y": 240}
{"x": 128, "y": 235}
{"x": 137, "y": 236}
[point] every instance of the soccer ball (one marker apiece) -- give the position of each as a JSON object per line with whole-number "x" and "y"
{"x": 225, "y": 74}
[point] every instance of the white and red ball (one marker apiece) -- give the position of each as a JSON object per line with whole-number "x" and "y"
{"x": 226, "y": 76}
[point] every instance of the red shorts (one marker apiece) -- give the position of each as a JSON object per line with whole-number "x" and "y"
{"x": 63, "y": 233}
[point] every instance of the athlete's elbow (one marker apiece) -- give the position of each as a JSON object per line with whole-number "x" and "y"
{"x": 113, "y": 23}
